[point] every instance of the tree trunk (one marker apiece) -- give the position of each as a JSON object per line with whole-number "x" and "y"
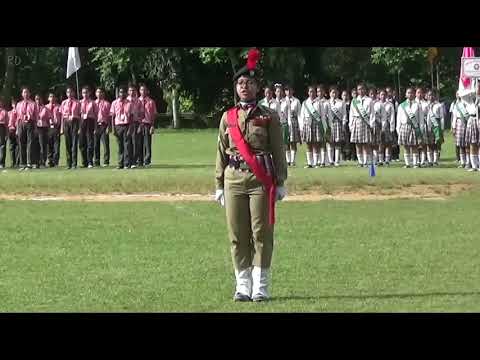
{"x": 10, "y": 58}
{"x": 234, "y": 63}
{"x": 175, "y": 114}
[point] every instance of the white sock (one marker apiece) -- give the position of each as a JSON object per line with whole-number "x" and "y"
{"x": 322, "y": 156}
{"x": 287, "y": 156}
{"x": 462, "y": 158}
{"x": 387, "y": 155}
{"x": 315, "y": 159}
{"x": 365, "y": 157}
{"x": 375, "y": 156}
{"x": 415, "y": 158}
{"x": 410, "y": 156}
{"x": 380, "y": 157}
{"x": 467, "y": 159}
{"x": 422, "y": 157}
{"x": 407, "y": 159}
{"x": 293, "y": 154}
{"x": 337, "y": 155}
{"x": 330, "y": 154}
{"x": 436, "y": 156}
{"x": 474, "y": 160}
{"x": 309, "y": 158}
{"x": 429, "y": 156}
{"x": 359, "y": 157}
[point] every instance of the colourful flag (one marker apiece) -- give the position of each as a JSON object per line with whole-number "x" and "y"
{"x": 73, "y": 62}
{"x": 465, "y": 84}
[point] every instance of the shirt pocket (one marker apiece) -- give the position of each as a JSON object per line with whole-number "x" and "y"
{"x": 258, "y": 133}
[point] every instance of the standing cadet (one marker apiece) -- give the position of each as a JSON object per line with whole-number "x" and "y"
{"x": 55, "y": 122}
{"x": 71, "y": 115}
{"x": 336, "y": 113}
{"x": 435, "y": 125}
{"x": 122, "y": 118}
{"x": 292, "y": 108}
{"x": 388, "y": 129}
{"x": 43, "y": 123}
{"x": 378, "y": 115}
{"x": 27, "y": 113}
{"x": 13, "y": 136}
{"x": 88, "y": 109}
{"x": 323, "y": 130}
{"x": 103, "y": 127}
{"x": 361, "y": 118}
{"x": 3, "y": 133}
{"x": 310, "y": 118}
{"x": 137, "y": 109}
{"x": 409, "y": 117}
{"x": 250, "y": 174}
{"x": 419, "y": 98}
{"x": 472, "y": 137}
{"x": 148, "y": 125}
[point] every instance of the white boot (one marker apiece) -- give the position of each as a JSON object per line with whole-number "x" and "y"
{"x": 260, "y": 284}
{"x": 293, "y": 154}
{"x": 244, "y": 282}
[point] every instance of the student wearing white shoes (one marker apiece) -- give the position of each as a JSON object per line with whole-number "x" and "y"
{"x": 291, "y": 109}
{"x": 387, "y": 129}
{"x": 459, "y": 126}
{"x": 435, "y": 124}
{"x": 336, "y": 112}
{"x": 408, "y": 128}
{"x": 361, "y": 117}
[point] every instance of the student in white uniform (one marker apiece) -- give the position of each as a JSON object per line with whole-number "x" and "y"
{"x": 269, "y": 100}
{"x": 291, "y": 109}
{"x": 311, "y": 119}
{"x": 451, "y": 112}
{"x": 336, "y": 112}
{"x": 472, "y": 137}
{"x": 378, "y": 110}
{"x": 323, "y": 132}
{"x": 434, "y": 128}
{"x": 387, "y": 129}
{"x": 360, "y": 124}
{"x": 419, "y": 98}
{"x": 409, "y": 117}
{"x": 460, "y": 117}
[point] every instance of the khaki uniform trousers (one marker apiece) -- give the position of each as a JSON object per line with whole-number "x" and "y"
{"x": 250, "y": 234}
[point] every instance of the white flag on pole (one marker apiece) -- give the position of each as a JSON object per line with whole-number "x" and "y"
{"x": 73, "y": 62}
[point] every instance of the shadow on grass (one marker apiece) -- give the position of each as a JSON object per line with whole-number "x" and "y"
{"x": 379, "y": 296}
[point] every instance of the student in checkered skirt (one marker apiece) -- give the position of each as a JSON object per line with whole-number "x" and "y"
{"x": 409, "y": 116}
{"x": 290, "y": 109}
{"x": 336, "y": 112}
{"x": 311, "y": 116}
{"x": 435, "y": 124}
{"x": 420, "y": 99}
{"x": 378, "y": 115}
{"x": 361, "y": 118}
{"x": 323, "y": 130}
{"x": 459, "y": 127}
{"x": 472, "y": 137}
{"x": 387, "y": 129}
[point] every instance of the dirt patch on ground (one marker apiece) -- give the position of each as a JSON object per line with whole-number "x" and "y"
{"x": 426, "y": 192}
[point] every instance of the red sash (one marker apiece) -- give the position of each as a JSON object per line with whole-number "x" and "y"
{"x": 258, "y": 170}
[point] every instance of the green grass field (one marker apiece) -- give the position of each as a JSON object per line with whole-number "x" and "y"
{"x": 330, "y": 256}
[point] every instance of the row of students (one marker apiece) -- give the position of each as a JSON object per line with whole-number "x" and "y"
{"x": 34, "y": 129}
{"x": 376, "y": 125}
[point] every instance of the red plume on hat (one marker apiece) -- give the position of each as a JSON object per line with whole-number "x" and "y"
{"x": 252, "y": 59}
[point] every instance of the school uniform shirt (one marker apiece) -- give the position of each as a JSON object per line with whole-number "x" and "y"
{"x": 272, "y": 104}
{"x": 367, "y": 105}
{"x": 44, "y": 116}
{"x": 389, "y": 116}
{"x": 295, "y": 109}
{"x": 70, "y": 108}
{"x": 26, "y": 111}
{"x": 121, "y": 112}
{"x": 378, "y": 111}
{"x": 103, "y": 111}
{"x": 88, "y": 109}
{"x": 435, "y": 110}
{"x": 305, "y": 117}
{"x": 341, "y": 111}
{"x": 12, "y": 119}
{"x": 402, "y": 119}
{"x": 137, "y": 108}
{"x": 149, "y": 110}
{"x": 55, "y": 115}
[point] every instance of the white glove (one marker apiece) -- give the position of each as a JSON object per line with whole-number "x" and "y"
{"x": 281, "y": 192}
{"x": 220, "y": 197}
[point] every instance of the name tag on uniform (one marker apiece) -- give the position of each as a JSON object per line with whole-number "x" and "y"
{"x": 85, "y": 116}
{"x": 261, "y": 121}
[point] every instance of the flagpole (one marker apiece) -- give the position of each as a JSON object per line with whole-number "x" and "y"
{"x": 78, "y": 93}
